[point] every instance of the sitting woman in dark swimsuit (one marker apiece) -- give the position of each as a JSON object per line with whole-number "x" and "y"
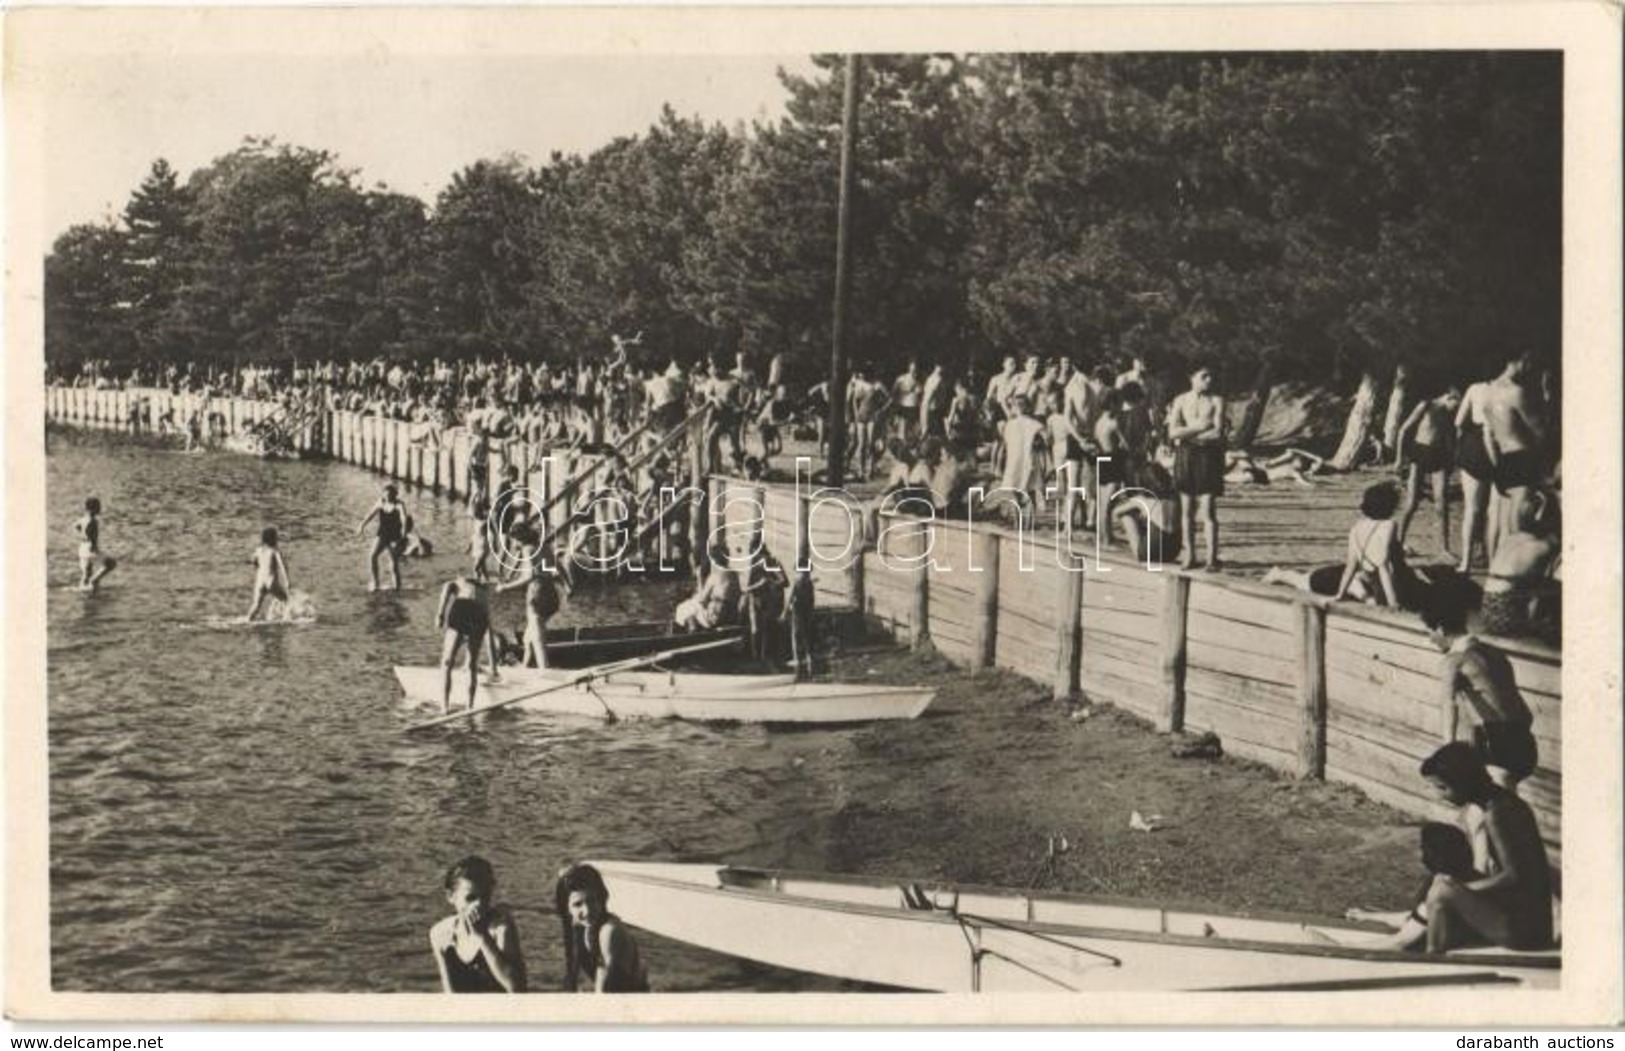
{"x": 596, "y": 943}
{"x": 477, "y": 946}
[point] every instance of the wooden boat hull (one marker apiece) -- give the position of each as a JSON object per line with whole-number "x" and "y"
{"x": 1009, "y": 941}
{"x": 700, "y": 698}
{"x": 584, "y": 647}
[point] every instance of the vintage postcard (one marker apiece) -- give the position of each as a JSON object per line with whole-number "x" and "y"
{"x": 816, "y": 515}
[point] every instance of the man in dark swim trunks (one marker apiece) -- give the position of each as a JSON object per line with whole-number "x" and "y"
{"x": 465, "y": 616}
{"x": 476, "y": 948}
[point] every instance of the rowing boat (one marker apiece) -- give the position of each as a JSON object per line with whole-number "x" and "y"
{"x": 676, "y": 695}
{"x": 938, "y": 937}
{"x": 583, "y": 647}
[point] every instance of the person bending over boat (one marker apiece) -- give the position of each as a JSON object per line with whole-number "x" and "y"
{"x": 394, "y": 522}
{"x": 93, "y": 565}
{"x": 1481, "y": 675}
{"x": 465, "y": 617}
{"x": 597, "y": 944}
{"x": 1511, "y": 904}
{"x": 270, "y": 574}
{"x": 476, "y": 948}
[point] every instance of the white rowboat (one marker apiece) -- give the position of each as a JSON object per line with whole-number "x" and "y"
{"x": 675, "y": 695}
{"x": 978, "y": 939}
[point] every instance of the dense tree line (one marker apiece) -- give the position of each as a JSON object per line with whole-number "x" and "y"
{"x": 1312, "y": 215}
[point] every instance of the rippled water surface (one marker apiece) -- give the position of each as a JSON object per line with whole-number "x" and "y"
{"x": 239, "y": 809}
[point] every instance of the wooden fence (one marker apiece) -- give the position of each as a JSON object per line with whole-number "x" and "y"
{"x": 1318, "y": 689}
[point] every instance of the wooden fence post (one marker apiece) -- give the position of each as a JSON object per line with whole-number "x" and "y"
{"x": 919, "y": 620}
{"x": 1176, "y": 603}
{"x": 985, "y": 632}
{"x": 1311, "y": 691}
{"x": 1068, "y": 633}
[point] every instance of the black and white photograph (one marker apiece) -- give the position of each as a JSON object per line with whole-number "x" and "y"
{"x": 738, "y": 505}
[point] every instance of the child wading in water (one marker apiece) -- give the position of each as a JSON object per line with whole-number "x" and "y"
{"x": 93, "y": 565}
{"x": 394, "y": 522}
{"x": 596, "y": 943}
{"x": 476, "y": 948}
{"x": 270, "y": 574}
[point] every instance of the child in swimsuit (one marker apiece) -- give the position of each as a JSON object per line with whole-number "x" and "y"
{"x": 270, "y": 573}
{"x": 543, "y": 595}
{"x": 476, "y": 948}
{"x": 465, "y": 617}
{"x": 597, "y": 944}
{"x": 93, "y": 565}
{"x": 1481, "y": 675}
{"x": 393, "y": 525}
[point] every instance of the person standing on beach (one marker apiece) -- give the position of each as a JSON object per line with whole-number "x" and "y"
{"x": 1196, "y": 426}
{"x": 1473, "y": 458}
{"x": 93, "y": 565}
{"x": 597, "y": 944}
{"x": 465, "y": 617}
{"x": 393, "y": 525}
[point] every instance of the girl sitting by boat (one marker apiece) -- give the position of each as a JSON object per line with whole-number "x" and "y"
{"x": 597, "y": 944}
{"x": 716, "y": 601}
{"x": 476, "y": 948}
{"x": 544, "y": 594}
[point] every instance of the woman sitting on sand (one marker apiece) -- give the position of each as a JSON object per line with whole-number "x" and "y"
{"x": 597, "y": 944}
{"x": 1445, "y": 852}
{"x": 1375, "y": 570}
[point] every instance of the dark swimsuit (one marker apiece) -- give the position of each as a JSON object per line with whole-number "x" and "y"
{"x": 1471, "y": 454}
{"x": 1199, "y": 469}
{"x": 469, "y": 976}
{"x": 468, "y": 617}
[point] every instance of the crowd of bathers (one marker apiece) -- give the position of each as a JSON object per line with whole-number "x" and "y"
{"x": 1108, "y": 446}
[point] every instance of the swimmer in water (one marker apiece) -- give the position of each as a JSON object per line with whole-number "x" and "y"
{"x": 465, "y": 617}
{"x": 93, "y": 565}
{"x": 393, "y": 525}
{"x": 270, "y": 573}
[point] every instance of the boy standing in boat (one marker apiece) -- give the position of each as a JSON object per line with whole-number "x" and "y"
{"x": 93, "y": 565}
{"x": 393, "y": 524}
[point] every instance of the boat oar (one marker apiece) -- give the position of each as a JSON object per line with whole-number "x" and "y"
{"x": 587, "y": 675}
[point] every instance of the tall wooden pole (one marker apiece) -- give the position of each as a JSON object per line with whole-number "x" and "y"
{"x": 843, "y": 279}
